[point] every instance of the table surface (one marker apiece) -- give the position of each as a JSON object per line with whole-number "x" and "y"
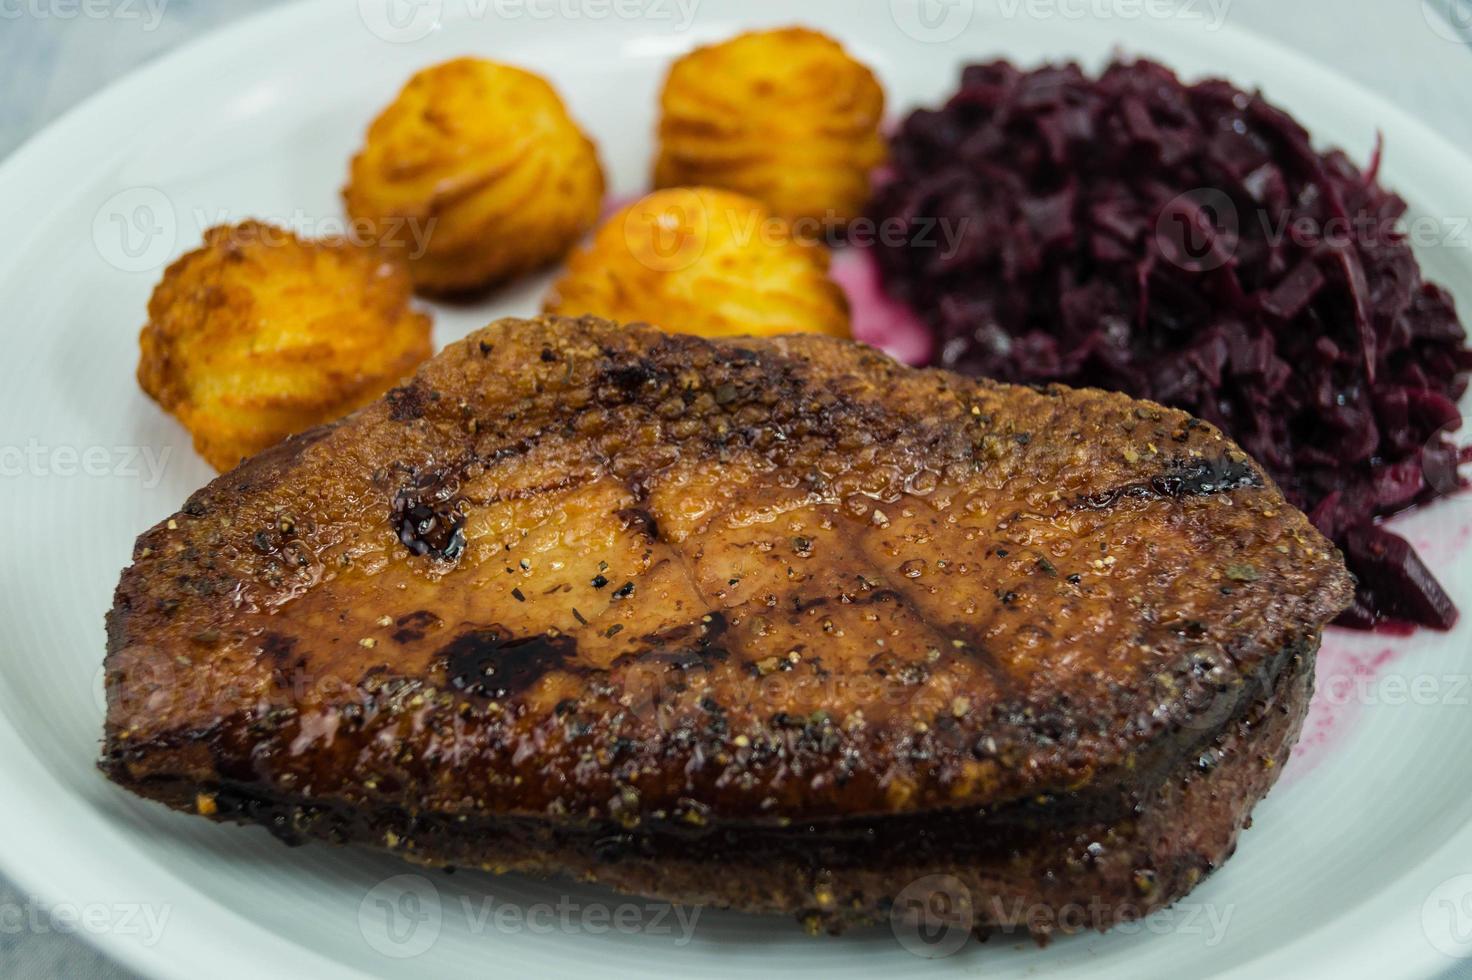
{"x": 49, "y": 61}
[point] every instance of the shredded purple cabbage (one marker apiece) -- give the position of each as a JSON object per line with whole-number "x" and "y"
{"x": 1187, "y": 244}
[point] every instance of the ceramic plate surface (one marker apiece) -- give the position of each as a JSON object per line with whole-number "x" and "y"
{"x": 1357, "y": 865}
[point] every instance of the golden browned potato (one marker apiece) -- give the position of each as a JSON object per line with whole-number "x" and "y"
{"x": 260, "y": 334}
{"x": 481, "y": 162}
{"x": 785, "y": 116}
{"x": 703, "y": 261}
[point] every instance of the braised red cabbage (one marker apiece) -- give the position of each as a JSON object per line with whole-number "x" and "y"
{"x": 1186, "y": 243}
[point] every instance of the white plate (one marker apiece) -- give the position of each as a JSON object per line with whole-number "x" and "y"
{"x": 1352, "y": 866}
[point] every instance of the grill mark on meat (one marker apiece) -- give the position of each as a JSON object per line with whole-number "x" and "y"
{"x": 286, "y": 665}
{"x": 411, "y": 626}
{"x": 429, "y": 515}
{"x": 1197, "y": 478}
{"x": 644, "y": 523}
{"x": 490, "y": 663}
{"x": 687, "y": 647}
{"x": 407, "y": 403}
{"x": 278, "y": 646}
{"x": 527, "y": 493}
{"x": 961, "y": 640}
{"x": 951, "y": 637}
{"x": 640, "y": 520}
{"x": 629, "y": 376}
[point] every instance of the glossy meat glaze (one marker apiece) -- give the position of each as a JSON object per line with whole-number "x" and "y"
{"x": 598, "y": 599}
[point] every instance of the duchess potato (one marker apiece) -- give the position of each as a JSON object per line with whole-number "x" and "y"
{"x": 260, "y": 334}
{"x": 785, "y": 116}
{"x": 703, "y": 261}
{"x": 483, "y": 162}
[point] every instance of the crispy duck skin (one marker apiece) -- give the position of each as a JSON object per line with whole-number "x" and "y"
{"x": 774, "y": 624}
